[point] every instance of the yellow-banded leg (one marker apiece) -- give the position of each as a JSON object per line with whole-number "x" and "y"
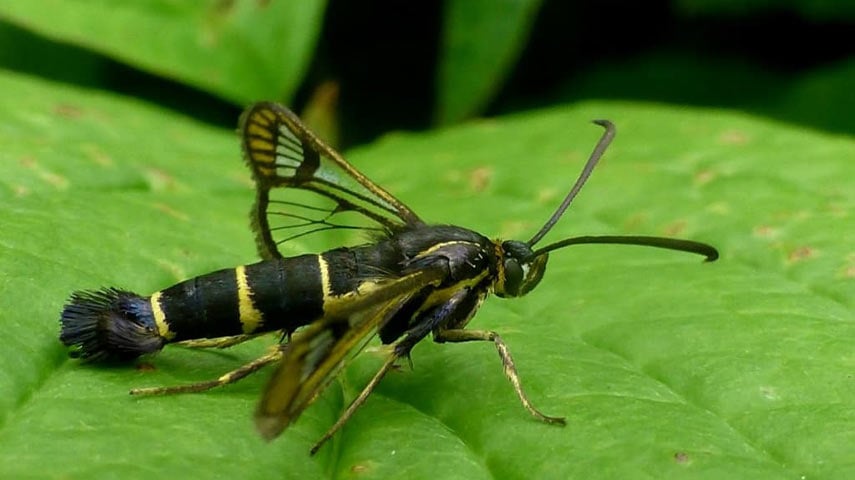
{"x": 461, "y": 335}
{"x": 233, "y": 376}
{"x": 357, "y": 402}
{"x": 221, "y": 342}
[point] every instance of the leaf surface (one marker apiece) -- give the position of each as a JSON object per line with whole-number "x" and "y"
{"x": 239, "y": 50}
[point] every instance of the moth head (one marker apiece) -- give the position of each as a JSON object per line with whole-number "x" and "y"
{"x": 521, "y": 270}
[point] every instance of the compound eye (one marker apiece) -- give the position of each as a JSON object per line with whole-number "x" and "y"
{"x": 513, "y": 277}
{"x": 532, "y": 274}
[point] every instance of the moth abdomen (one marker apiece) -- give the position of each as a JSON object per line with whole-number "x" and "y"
{"x": 272, "y": 295}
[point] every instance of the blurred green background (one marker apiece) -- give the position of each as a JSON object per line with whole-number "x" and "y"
{"x": 369, "y": 67}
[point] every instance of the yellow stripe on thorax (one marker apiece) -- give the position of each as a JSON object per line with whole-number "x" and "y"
{"x": 250, "y": 317}
{"x": 437, "y": 246}
{"x": 160, "y": 317}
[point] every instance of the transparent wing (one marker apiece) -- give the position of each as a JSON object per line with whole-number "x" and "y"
{"x": 303, "y": 186}
{"x": 316, "y": 354}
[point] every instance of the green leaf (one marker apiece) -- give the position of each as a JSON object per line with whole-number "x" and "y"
{"x": 821, "y": 98}
{"x": 239, "y": 50}
{"x": 664, "y": 367}
{"x": 481, "y": 41}
{"x": 813, "y": 9}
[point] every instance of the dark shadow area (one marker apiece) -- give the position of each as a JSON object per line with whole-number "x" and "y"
{"x": 383, "y": 58}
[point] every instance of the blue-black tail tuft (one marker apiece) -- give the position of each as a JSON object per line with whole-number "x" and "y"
{"x": 109, "y": 324}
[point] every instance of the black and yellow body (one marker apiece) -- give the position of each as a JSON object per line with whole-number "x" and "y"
{"x": 413, "y": 280}
{"x": 282, "y": 294}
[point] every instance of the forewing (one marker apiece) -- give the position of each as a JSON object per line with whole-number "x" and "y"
{"x": 316, "y": 354}
{"x": 303, "y": 186}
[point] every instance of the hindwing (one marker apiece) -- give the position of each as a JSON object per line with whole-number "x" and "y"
{"x": 303, "y": 186}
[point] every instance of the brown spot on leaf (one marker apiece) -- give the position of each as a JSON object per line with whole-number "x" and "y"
{"x": 766, "y": 231}
{"x": 849, "y": 266}
{"x": 52, "y": 178}
{"x": 634, "y": 221}
{"x": 800, "y": 253}
{"x": 479, "y": 178}
{"x": 66, "y": 110}
{"x": 97, "y": 155}
{"x": 734, "y": 137}
{"x": 674, "y": 229}
{"x": 223, "y": 6}
{"x": 145, "y": 367}
{"x": 682, "y": 457}
{"x": 704, "y": 177}
{"x": 838, "y": 209}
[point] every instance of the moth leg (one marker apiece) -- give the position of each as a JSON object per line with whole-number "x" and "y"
{"x": 356, "y": 403}
{"x": 221, "y": 342}
{"x": 458, "y": 307}
{"x": 230, "y": 377}
{"x": 461, "y": 335}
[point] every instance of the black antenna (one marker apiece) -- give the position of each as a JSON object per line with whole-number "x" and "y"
{"x": 604, "y": 142}
{"x": 659, "y": 242}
